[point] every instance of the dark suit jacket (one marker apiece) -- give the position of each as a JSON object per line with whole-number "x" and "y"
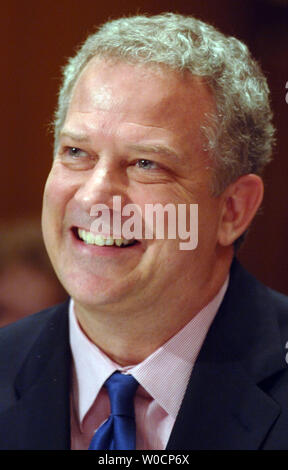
{"x": 237, "y": 397}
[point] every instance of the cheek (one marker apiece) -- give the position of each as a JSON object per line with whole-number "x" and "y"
{"x": 47, "y": 216}
{"x": 50, "y": 204}
{"x": 156, "y": 194}
{"x": 54, "y": 203}
{"x": 209, "y": 222}
{"x": 56, "y": 195}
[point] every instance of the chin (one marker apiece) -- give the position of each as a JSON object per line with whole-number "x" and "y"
{"x": 97, "y": 294}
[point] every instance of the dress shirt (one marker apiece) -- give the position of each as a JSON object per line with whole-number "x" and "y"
{"x": 163, "y": 377}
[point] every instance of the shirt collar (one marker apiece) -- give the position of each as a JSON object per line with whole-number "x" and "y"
{"x": 164, "y": 374}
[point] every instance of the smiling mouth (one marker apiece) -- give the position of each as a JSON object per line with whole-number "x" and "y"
{"x": 90, "y": 238}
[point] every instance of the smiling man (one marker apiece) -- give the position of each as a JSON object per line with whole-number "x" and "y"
{"x": 162, "y": 110}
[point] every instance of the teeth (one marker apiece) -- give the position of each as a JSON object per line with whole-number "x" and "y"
{"x": 109, "y": 241}
{"x": 99, "y": 240}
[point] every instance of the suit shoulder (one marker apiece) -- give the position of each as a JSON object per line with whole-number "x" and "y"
{"x": 266, "y": 304}
{"x": 279, "y": 307}
{"x": 248, "y": 284}
{"x": 17, "y": 338}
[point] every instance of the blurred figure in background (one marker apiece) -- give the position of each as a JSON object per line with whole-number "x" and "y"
{"x": 27, "y": 281}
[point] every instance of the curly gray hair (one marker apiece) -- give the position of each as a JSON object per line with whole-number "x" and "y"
{"x": 239, "y": 137}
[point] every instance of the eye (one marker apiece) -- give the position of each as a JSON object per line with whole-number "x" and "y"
{"x": 146, "y": 164}
{"x": 75, "y": 152}
{"x": 75, "y": 158}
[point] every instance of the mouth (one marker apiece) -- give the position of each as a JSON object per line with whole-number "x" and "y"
{"x": 90, "y": 238}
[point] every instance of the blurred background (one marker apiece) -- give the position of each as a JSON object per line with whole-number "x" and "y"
{"x": 36, "y": 39}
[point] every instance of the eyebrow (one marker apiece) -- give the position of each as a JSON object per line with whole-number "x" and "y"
{"x": 79, "y": 137}
{"x": 154, "y": 149}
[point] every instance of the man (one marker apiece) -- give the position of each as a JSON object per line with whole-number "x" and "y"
{"x": 161, "y": 110}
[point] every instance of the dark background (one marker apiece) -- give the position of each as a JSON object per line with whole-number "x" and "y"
{"x": 36, "y": 38}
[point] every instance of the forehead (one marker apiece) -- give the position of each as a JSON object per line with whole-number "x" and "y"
{"x": 128, "y": 88}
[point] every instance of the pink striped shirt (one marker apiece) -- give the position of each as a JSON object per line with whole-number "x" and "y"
{"x": 163, "y": 377}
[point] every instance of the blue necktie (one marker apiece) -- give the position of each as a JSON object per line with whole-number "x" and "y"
{"x": 119, "y": 431}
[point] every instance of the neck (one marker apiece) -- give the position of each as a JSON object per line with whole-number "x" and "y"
{"x": 129, "y": 335}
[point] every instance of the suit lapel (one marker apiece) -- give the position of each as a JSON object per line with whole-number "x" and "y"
{"x": 225, "y": 406}
{"x": 227, "y": 413}
{"x": 42, "y": 387}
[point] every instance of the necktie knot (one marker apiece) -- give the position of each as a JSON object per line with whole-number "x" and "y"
{"x": 121, "y": 389}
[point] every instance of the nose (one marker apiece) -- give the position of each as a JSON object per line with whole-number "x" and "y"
{"x": 99, "y": 185}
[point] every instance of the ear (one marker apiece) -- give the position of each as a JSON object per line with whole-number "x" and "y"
{"x": 241, "y": 201}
